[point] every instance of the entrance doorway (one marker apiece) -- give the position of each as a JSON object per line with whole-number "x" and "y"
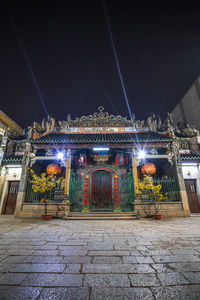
{"x": 12, "y": 197}
{"x": 101, "y": 196}
{"x": 190, "y": 185}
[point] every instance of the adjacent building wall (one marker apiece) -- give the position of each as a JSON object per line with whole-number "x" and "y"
{"x": 188, "y": 109}
{"x": 192, "y": 171}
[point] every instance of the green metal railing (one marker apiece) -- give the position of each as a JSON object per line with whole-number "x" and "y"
{"x": 126, "y": 190}
{"x": 169, "y": 186}
{"x": 56, "y": 195}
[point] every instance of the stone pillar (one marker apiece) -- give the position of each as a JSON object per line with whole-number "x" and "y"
{"x": 182, "y": 188}
{"x": 23, "y": 180}
{"x": 85, "y": 200}
{"x": 116, "y": 185}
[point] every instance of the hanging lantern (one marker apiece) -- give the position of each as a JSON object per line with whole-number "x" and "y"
{"x": 53, "y": 169}
{"x": 149, "y": 169}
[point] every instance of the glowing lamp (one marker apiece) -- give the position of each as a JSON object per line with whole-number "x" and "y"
{"x": 53, "y": 169}
{"x": 141, "y": 154}
{"x": 100, "y": 149}
{"x": 60, "y": 155}
{"x": 148, "y": 169}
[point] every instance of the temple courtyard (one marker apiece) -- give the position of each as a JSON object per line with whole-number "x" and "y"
{"x": 125, "y": 259}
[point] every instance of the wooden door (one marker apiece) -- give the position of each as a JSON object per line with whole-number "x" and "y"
{"x": 190, "y": 185}
{"x": 101, "y": 190}
{"x": 12, "y": 197}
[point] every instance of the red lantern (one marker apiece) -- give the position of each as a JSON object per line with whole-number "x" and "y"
{"x": 53, "y": 169}
{"x": 149, "y": 169}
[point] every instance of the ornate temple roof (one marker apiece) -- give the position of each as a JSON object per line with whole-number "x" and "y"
{"x": 101, "y": 138}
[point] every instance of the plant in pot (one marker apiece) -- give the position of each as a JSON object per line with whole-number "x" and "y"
{"x": 42, "y": 184}
{"x": 154, "y": 193}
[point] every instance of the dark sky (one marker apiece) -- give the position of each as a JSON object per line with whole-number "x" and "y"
{"x": 68, "y": 46}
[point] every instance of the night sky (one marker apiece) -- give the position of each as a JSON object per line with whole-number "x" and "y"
{"x": 68, "y": 45}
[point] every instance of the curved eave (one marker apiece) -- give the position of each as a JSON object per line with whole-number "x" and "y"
{"x": 189, "y": 157}
{"x": 101, "y": 140}
{"x": 12, "y": 160}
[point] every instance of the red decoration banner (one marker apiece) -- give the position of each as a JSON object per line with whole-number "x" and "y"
{"x": 116, "y": 183}
{"x": 80, "y": 160}
{"x": 85, "y": 161}
{"x": 127, "y": 160}
{"x": 85, "y": 203}
{"x": 122, "y": 173}
{"x": 116, "y": 160}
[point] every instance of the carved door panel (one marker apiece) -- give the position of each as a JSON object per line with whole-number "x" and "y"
{"x": 12, "y": 197}
{"x": 101, "y": 190}
{"x": 190, "y": 185}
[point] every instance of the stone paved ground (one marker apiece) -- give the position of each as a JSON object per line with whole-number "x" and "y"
{"x": 138, "y": 259}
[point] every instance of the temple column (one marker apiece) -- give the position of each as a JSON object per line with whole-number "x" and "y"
{"x": 23, "y": 180}
{"x": 182, "y": 188}
{"x": 116, "y": 185}
{"x": 85, "y": 199}
{"x": 137, "y": 201}
{"x": 66, "y": 202}
{"x": 135, "y": 175}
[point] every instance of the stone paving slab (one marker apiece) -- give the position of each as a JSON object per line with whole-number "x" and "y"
{"x": 38, "y": 268}
{"x": 19, "y": 293}
{"x": 174, "y": 278}
{"x": 106, "y": 260}
{"x": 108, "y": 280}
{"x": 108, "y": 268}
{"x": 177, "y": 293}
{"x": 65, "y": 293}
{"x": 121, "y": 293}
{"x": 51, "y": 280}
{"x": 61, "y": 259}
{"x": 144, "y": 280}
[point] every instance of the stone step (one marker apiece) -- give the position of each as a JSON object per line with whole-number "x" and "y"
{"x": 102, "y": 216}
{"x": 102, "y": 213}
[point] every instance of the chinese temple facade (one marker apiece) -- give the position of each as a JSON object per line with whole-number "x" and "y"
{"x": 100, "y": 162}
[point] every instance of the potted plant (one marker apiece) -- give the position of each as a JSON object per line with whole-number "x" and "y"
{"x": 154, "y": 194}
{"x": 42, "y": 184}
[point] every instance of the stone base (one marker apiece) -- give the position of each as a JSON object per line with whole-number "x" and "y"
{"x": 166, "y": 209}
{"x": 31, "y": 210}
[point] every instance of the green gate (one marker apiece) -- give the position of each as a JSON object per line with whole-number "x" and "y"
{"x": 126, "y": 191}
